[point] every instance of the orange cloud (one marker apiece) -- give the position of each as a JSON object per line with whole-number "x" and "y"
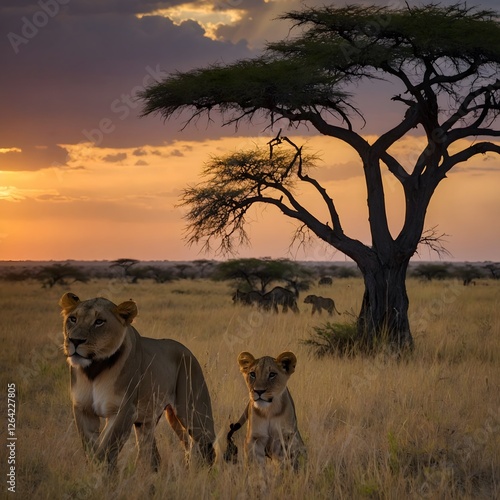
{"x": 102, "y": 205}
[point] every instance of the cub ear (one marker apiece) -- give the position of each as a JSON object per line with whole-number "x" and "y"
{"x": 128, "y": 311}
{"x": 288, "y": 361}
{"x": 245, "y": 360}
{"x": 68, "y": 302}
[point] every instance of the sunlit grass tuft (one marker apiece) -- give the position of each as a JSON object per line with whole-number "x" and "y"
{"x": 333, "y": 339}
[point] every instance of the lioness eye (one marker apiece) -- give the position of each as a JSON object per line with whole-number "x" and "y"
{"x": 72, "y": 319}
{"x": 251, "y": 374}
{"x": 272, "y": 375}
{"x": 99, "y": 322}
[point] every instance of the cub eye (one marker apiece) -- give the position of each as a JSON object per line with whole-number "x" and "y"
{"x": 72, "y": 319}
{"x": 272, "y": 375}
{"x": 252, "y": 375}
{"x": 99, "y": 322}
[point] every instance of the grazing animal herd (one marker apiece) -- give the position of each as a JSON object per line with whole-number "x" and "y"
{"x": 130, "y": 380}
{"x": 280, "y": 296}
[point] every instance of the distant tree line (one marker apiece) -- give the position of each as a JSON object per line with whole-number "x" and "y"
{"x": 467, "y": 273}
{"x": 246, "y": 274}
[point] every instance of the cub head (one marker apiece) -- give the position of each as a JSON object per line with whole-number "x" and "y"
{"x": 266, "y": 377}
{"x": 309, "y": 299}
{"x": 93, "y": 329}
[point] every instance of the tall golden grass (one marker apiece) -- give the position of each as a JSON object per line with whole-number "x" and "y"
{"x": 376, "y": 427}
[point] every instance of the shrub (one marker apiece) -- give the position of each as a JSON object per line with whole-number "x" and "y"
{"x": 431, "y": 270}
{"x": 333, "y": 339}
{"x": 58, "y": 273}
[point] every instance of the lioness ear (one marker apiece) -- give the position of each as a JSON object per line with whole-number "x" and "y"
{"x": 68, "y": 302}
{"x": 245, "y": 360}
{"x": 288, "y": 361}
{"x": 128, "y": 311}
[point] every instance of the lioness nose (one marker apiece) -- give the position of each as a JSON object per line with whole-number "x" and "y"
{"x": 258, "y": 392}
{"x": 77, "y": 342}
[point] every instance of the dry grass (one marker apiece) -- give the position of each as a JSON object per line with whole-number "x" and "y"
{"x": 424, "y": 427}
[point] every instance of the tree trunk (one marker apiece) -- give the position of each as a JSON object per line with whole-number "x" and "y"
{"x": 384, "y": 311}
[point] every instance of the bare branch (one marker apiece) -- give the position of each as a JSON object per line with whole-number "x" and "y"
{"x": 434, "y": 242}
{"x": 395, "y": 167}
{"x": 334, "y": 216}
{"x": 467, "y": 154}
{"x": 464, "y": 108}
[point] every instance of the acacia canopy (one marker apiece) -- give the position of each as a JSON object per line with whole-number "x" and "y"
{"x": 296, "y": 79}
{"x": 445, "y": 61}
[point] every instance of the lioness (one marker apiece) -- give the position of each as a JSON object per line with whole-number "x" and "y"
{"x": 130, "y": 380}
{"x": 272, "y": 423}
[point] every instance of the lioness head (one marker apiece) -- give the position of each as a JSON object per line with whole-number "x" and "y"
{"x": 266, "y": 377}
{"x": 93, "y": 329}
{"x": 310, "y": 299}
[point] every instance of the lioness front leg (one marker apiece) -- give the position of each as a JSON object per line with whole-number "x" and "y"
{"x": 87, "y": 424}
{"x": 114, "y": 436}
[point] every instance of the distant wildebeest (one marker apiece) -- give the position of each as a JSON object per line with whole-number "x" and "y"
{"x": 320, "y": 303}
{"x": 247, "y": 298}
{"x": 279, "y": 296}
{"x": 325, "y": 280}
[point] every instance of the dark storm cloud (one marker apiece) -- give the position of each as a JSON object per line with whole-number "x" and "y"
{"x": 31, "y": 157}
{"x": 78, "y": 7}
{"x": 74, "y": 76}
{"x": 71, "y": 70}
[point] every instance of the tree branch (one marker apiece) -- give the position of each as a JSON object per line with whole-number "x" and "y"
{"x": 334, "y": 216}
{"x": 434, "y": 242}
{"x": 385, "y": 141}
{"x": 467, "y": 154}
{"x": 395, "y": 167}
{"x": 463, "y": 110}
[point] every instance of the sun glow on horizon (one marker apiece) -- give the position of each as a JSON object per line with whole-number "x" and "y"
{"x": 7, "y": 193}
{"x": 128, "y": 198}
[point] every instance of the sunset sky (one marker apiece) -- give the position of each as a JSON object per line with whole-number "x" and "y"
{"x": 82, "y": 176}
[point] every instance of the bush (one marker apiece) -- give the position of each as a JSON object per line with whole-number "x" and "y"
{"x": 433, "y": 271}
{"x": 333, "y": 339}
{"x": 16, "y": 275}
{"x": 58, "y": 273}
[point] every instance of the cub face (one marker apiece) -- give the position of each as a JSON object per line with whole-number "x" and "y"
{"x": 266, "y": 377}
{"x": 93, "y": 329}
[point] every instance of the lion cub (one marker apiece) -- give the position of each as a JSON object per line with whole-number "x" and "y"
{"x": 272, "y": 423}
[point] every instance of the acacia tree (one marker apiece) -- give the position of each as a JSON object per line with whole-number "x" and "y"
{"x": 258, "y": 274}
{"x": 59, "y": 274}
{"x": 444, "y": 60}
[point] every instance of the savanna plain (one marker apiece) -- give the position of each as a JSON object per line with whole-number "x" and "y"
{"x": 426, "y": 425}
